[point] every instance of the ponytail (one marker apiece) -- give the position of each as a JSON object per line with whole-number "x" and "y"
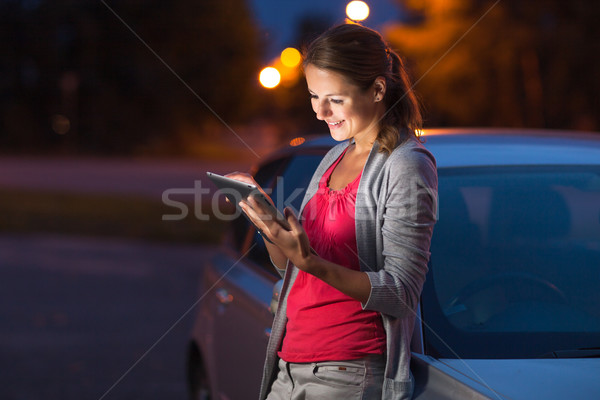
{"x": 402, "y": 118}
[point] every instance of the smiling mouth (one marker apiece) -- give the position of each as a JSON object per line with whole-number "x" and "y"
{"x": 332, "y": 124}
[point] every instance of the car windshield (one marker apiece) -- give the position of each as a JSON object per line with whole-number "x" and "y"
{"x": 515, "y": 264}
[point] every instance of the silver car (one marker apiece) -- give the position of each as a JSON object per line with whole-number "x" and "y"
{"x": 511, "y": 305}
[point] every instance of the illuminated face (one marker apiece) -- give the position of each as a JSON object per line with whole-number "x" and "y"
{"x": 349, "y": 111}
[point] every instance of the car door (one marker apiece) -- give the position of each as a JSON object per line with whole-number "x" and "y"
{"x": 242, "y": 320}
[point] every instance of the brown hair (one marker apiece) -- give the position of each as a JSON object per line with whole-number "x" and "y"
{"x": 361, "y": 55}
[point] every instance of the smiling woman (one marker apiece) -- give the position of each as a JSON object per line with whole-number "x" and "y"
{"x": 349, "y": 111}
{"x": 347, "y": 275}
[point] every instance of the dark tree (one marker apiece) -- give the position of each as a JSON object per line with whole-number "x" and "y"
{"x": 507, "y": 63}
{"x": 115, "y": 76}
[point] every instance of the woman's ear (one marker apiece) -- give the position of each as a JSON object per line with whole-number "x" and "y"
{"x": 379, "y": 88}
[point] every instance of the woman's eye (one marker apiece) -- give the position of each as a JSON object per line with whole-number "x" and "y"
{"x": 313, "y": 97}
{"x": 337, "y": 101}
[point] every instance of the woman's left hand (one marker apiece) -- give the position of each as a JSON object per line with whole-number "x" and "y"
{"x": 293, "y": 243}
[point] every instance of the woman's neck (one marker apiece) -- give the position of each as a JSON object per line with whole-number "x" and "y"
{"x": 363, "y": 144}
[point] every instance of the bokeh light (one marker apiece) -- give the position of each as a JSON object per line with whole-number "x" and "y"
{"x": 290, "y": 57}
{"x": 357, "y": 10}
{"x": 297, "y": 141}
{"x": 60, "y": 124}
{"x": 269, "y": 77}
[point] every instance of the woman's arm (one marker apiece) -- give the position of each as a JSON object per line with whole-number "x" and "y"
{"x": 355, "y": 284}
{"x": 409, "y": 206}
{"x": 278, "y": 259}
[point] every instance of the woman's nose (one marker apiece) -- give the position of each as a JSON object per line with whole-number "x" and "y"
{"x": 322, "y": 110}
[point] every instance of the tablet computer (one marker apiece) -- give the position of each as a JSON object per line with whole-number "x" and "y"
{"x": 236, "y": 190}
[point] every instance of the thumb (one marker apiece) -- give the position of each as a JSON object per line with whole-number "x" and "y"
{"x": 291, "y": 219}
{"x": 298, "y": 230}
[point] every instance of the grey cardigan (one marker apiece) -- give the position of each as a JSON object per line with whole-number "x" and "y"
{"x": 396, "y": 208}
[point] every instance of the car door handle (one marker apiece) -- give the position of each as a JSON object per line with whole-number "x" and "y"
{"x": 223, "y": 296}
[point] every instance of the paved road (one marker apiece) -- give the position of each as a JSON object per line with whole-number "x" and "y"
{"x": 90, "y": 318}
{"x": 87, "y": 318}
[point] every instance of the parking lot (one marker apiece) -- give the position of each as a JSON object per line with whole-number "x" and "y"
{"x": 95, "y": 318}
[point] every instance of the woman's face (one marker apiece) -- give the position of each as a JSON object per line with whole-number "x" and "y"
{"x": 348, "y": 111}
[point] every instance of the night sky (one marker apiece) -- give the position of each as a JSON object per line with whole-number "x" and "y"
{"x": 278, "y": 19}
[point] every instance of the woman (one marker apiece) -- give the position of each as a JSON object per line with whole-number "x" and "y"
{"x": 354, "y": 268}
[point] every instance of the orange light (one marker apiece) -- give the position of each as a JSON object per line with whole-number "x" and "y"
{"x": 297, "y": 141}
{"x": 269, "y": 77}
{"x": 290, "y": 57}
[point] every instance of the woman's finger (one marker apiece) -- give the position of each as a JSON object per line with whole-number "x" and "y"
{"x": 292, "y": 220}
{"x": 262, "y": 219}
{"x": 252, "y": 214}
{"x": 298, "y": 230}
{"x": 262, "y": 212}
{"x": 247, "y": 178}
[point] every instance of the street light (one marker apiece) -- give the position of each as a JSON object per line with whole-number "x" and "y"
{"x": 357, "y": 10}
{"x": 290, "y": 57}
{"x": 269, "y": 77}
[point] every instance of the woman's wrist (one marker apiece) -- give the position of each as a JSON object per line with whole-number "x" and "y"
{"x": 278, "y": 259}
{"x": 312, "y": 264}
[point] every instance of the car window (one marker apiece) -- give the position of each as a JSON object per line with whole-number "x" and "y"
{"x": 515, "y": 262}
{"x": 288, "y": 190}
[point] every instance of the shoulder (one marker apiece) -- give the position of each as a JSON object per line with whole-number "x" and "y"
{"x": 411, "y": 156}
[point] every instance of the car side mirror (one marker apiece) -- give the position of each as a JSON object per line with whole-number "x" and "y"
{"x": 275, "y": 299}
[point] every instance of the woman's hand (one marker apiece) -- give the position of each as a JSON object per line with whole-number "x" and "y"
{"x": 293, "y": 243}
{"x": 258, "y": 216}
{"x": 247, "y": 178}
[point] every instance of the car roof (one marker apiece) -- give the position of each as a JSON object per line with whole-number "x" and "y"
{"x": 469, "y": 147}
{"x": 487, "y": 147}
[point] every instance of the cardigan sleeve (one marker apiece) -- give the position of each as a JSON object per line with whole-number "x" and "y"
{"x": 409, "y": 207}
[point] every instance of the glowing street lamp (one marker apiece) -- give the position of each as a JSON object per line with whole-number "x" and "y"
{"x": 290, "y": 57}
{"x": 357, "y": 10}
{"x": 269, "y": 77}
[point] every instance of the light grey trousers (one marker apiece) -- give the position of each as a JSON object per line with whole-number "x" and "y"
{"x": 360, "y": 379}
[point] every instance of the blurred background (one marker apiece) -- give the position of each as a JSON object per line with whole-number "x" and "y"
{"x": 106, "y": 105}
{"x": 77, "y": 78}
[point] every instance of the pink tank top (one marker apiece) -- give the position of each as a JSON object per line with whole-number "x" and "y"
{"x": 323, "y": 323}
